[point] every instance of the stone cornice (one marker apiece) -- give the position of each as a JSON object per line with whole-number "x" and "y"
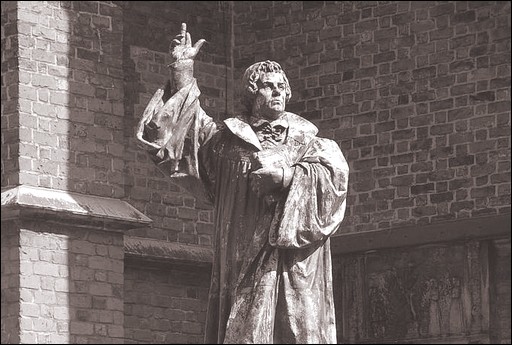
{"x": 157, "y": 250}
{"x": 28, "y": 201}
{"x": 461, "y": 230}
{"x": 458, "y": 230}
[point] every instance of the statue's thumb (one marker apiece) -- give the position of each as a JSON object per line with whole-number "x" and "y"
{"x": 199, "y": 44}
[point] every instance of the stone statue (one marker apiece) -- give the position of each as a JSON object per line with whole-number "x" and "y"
{"x": 278, "y": 193}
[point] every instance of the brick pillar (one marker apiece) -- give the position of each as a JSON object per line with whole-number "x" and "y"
{"x": 62, "y": 173}
{"x": 9, "y": 153}
{"x": 10, "y": 284}
{"x": 63, "y": 266}
{"x": 71, "y": 284}
{"x": 70, "y": 102}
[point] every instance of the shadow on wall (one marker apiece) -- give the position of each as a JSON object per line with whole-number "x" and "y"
{"x": 175, "y": 309}
{"x": 95, "y": 143}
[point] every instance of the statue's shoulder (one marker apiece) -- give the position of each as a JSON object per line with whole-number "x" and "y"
{"x": 238, "y": 122}
{"x": 301, "y": 129}
{"x": 300, "y": 123}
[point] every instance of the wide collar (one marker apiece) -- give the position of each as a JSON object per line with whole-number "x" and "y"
{"x": 299, "y": 129}
{"x": 256, "y": 122}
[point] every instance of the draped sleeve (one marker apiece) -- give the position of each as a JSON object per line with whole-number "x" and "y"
{"x": 315, "y": 204}
{"x": 172, "y": 131}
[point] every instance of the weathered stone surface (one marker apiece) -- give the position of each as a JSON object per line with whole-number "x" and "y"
{"x": 418, "y": 295}
{"x": 79, "y": 205}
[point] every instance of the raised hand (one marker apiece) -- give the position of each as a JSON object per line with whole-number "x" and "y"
{"x": 181, "y": 47}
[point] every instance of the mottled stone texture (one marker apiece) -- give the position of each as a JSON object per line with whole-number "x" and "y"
{"x": 421, "y": 295}
{"x": 500, "y": 291}
{"x": 417, "y": 94}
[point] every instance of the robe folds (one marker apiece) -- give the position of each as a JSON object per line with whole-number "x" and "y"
{"x": 271, "y": 276}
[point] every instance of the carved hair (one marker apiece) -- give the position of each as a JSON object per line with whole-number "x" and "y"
{"x": 253, "y": 74}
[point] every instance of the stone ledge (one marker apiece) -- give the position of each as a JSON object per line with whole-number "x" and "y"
{"x": 475, "y": 228}
{"x": 167, "y": 251}
{"x": 463, "y": 229}
{"x": 32, "y": 201}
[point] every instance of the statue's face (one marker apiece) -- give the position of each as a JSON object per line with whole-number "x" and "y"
{"x": 271, "y": 97}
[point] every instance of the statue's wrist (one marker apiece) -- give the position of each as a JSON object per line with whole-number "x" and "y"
{"x": 182, "y": 73}
{"x": 181, "y": 64}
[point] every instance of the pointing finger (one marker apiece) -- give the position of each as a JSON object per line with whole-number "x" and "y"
{"x": 188, "y": 40}
{"x": 183, "y": 29}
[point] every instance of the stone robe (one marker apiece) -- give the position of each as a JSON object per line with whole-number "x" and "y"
{"x": 271, "y": 276}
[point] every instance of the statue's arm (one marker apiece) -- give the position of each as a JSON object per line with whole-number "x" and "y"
{"x": 166, "y": 107}
{"x": 173, "y": 125}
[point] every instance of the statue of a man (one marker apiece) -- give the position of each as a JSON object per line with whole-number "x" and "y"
{"x": 278, "y": 193}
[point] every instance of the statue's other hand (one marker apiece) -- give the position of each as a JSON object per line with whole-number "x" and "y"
{"x": 269, "y": 158}
{"x": 181, "y": 46}
{"x": 265, "y": 180}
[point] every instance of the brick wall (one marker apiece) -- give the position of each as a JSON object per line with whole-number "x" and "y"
{"x": 71, "y": 284}
{"x": 174, "y": 311}
{"x": 416, "y": 93}
{"x": 10, "y": 89}
{"x": 10, "y": 283}
{"x": 9, "y": 165}
{"x": 71, "y": 94}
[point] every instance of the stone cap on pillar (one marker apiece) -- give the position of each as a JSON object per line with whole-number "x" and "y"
{"x": 107, "y": 213}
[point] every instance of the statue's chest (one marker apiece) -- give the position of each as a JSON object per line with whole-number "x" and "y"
{"x": 232, "y": 148}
